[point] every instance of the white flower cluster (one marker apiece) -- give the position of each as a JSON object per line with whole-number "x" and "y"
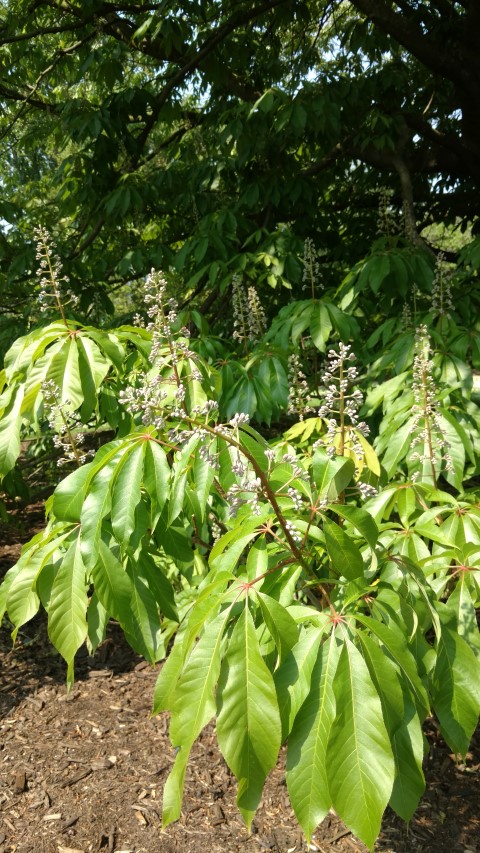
{"x": 59, "y": 416}
{"x": 169, "y": 348}
{"x": 341, "y": 401}
{"x": 311, "y": 277}
{"x": 146, "y": 400}
{"x": 426, "y": 428}
{"x": 294, "y": 533}
{"x": 249, "y": 485}
{"x": 298, "y": 392}
{"x": 386, "y": 223}
{"x": 54, "y": 292}
{"x": 442, "y": 302}
{"x": 249, "y": 320}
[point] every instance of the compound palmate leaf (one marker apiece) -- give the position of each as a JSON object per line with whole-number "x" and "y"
{"x": 248, "y": 721}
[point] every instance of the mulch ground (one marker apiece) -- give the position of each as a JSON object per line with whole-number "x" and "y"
{"x": 85, "y": 771}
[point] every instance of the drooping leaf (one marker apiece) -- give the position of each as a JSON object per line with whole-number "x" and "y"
{"x": 456, "y": 689}
{"x": 67, "y": 622}
{"x": 248, "y": 721}
{"x": 395, "y": 641}
{"x": 97, "y": 621}
{"x": 126, "y": 492}
{"x": 331, "y": 476}
{"x": 193, "y": 705}
{"x": 307, "y": 767}
{"x": 10, "y": 422}
{"x": 156, "y": 478}
{"x": 293, "y": 676}
{"x": 403, "y": 725}
{"x": 359, "y": 755}
{"x": 112, "y": 584}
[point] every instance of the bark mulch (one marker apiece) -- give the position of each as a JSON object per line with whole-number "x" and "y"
{"x": 85, "y": 771}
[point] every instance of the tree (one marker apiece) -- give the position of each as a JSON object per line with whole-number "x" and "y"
{"x": 320, "y": 581}
{"x": 231, "y": 132}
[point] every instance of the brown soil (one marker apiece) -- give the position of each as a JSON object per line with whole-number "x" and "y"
{"x": 85, "y": 771}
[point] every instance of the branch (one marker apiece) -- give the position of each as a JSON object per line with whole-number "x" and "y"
{"x": 424, "y": 47}
{"x": 45, "y": 31}
{"x": 28, "y": 99}
{"x": 320, "y": 165}
{"x": 215, "y": 38}
{"x": 13, "y": 95}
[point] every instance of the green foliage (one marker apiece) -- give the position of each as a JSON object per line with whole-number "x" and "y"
{"x": 318, "y": 591}
{"x": 284, "y": 492}
{"x": 219, "y": 141}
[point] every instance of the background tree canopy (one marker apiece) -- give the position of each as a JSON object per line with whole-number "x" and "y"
{"x": 217, "y": 136}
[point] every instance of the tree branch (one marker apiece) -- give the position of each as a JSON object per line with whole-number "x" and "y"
{"x": 194, "y": 61}
{"x": 427, "y": 49}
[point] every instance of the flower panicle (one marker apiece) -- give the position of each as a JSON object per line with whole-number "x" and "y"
{"x": 386, "y": 223}
{"x": 298, "y": 390}
{"x": 54, "y": 285}
{"x": 341, "y": 404}
{"x": 249, "y": 320}
{"x": 63, "y": 423}
{"x": 441, "y": 296}
{"x": 427, "y": 430}
{"x": 158, "y": 391}
{"x": 311, "y": 277}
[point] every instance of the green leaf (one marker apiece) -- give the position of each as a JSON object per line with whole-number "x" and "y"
{"x": 293, "y": 677}
{"x": 320, "y": 326}
{"x": 408, "y": 750}
{"x": 93, "y": 367}
{"x": 193, "y": 706}
{"x": 397, "y": 447}
{"x": 360, "y": 519}
{"x": 181, "y": 467}
{"x": 359, "y": 754}
{"x": 395, "y": 641}
{"x": 307, "y": 767}
{"x": 456, "y": 689}
{"x": 282, "y": 627}
{"x": 10, "y": 422}
{"x": 344, "y": 555}
{"x": 97, "y": 620}
{"x": 126, "y": 492}
{"x": 22, "y": 601}
{"x": 69, "y": 495}
{"x": 64, "y": 372}
{"x": 95, "y": 507}
{"x": 67, "y": 622}
{"x": 143, "y": 629}
{"x": 244, "y": 531}
{"x": 112, "y": 584}
{"x": 331, "y": 476}
{"x": 461, "y": 605}
{"x": 156, "y": 478}
{"x": 167, "y": 679}
{"x": 203, "y": 477}
{"x": 207, "y": 604}
{"x": 248, "y": 722}
{"x": 158, "y": 583}
{"x": 257, "y": 560}
{"x": 403, "y": 725}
